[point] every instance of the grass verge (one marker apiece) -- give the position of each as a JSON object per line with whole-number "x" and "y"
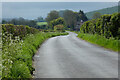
{"x": 110, "y": 43}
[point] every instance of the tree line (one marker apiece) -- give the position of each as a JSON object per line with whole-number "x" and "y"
{"x": 20, "y": 21}
{"x": 70, "y": 17}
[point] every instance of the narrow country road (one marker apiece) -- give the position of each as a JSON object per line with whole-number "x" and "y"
{"x": 70, "y": 57}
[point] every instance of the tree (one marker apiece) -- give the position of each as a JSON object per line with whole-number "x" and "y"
{"x": 21, "y": 21}
{"x": 40, "y": 19}
{"x": 52, "y": 15}
{"x": 70, "y": 18}
{"x": 96, "y": 15}
{"x": 4, "y": 22}
{"x": 82, "y": 16}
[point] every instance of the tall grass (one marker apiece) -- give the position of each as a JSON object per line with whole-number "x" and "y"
{"x": 17, "y": 54}
{"x": 110, "y": 43}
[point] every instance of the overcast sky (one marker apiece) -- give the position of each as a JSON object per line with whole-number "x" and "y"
{"x": 59, "y": 0}
{"x": 32, "y": 10}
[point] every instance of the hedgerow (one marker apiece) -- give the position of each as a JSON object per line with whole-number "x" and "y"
{"x": 107, "y": 25}
{"x": 18, "y": 30}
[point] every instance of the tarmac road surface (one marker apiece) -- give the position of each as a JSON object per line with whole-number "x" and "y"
{"x": 70, "y": 57}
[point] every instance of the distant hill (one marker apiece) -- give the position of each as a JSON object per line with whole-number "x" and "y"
{"x": 7, "y": 19}
{"x": 109, "y": 10}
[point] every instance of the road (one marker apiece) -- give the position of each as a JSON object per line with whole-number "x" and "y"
{"x": 70, "y": 57}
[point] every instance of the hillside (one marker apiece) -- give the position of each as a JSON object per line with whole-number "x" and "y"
{"x": 109, "y": 10}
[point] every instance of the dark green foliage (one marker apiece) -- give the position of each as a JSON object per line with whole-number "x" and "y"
{"x": 106, "y": 25}
{"x": 82, "y": 16}
{"x": 71, "y": 18}
{"x": 39, "y": 19}
{"x": 52, "y": 15}
{"x": 115, "y": 24}
{"x": 18, "y": 30}
{"x": 20, "y": 21}
{"x": 61, "y": 12}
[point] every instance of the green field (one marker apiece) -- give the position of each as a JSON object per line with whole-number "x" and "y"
{"x": 41, "y": 23}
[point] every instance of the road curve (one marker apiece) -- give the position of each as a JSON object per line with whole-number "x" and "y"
{"x": 70, "y": 57}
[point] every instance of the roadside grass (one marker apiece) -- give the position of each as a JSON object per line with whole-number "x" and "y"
{"x": 110, "y": 43}
{"x": 17, "y": 54}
